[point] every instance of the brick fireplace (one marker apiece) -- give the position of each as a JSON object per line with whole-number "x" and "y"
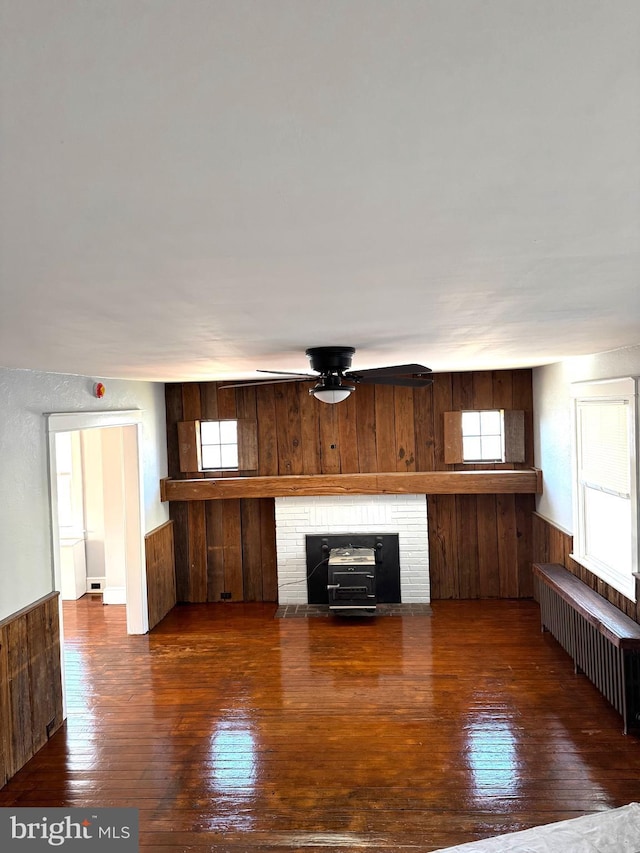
{"x": 405, "y": 515}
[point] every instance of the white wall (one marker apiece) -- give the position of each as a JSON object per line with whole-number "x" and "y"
{"x": 26, "y": 559}
{"x": 552, "y": 422}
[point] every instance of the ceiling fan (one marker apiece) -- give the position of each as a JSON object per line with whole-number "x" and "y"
{"x": 335, "y": 381}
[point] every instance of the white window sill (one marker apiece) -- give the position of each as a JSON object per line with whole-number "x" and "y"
{"x": 622, "y": 583}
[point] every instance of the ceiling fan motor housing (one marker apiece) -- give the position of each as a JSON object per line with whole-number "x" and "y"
{"x": 330, "y": 359}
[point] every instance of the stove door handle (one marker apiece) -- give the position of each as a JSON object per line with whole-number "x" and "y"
{"x": 333, "y": 586}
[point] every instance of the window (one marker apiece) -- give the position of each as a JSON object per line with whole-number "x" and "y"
{"x": 229, "y": 444}
{"x": 69, "y": 483}
{"x": 484, "y": 436}
{"x": 219, "y": 445}
{"x": 605, "y": 482}
{"x": 64, "y": 474}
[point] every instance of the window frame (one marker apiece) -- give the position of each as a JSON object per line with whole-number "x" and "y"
{"x": 621, "y": 391}
{"x": 513, "y": 437}
{"x": 190, "y": 446}
{"x": 70, "y": 509}
{"x": 220, "y": 444}
{"x": 480, "y": 435}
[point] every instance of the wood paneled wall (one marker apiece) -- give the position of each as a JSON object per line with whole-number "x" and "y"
{"x": 161, "y": 572}
{"x": 479, "y": 544}
{"x": 552, "y": 545}
{"x": 378, "y": 428}
{"x": 225, "y": 550}
{"x": 30, "y": 683}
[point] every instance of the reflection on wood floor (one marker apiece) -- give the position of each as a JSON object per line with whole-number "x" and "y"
{"x": 234, "y": 731}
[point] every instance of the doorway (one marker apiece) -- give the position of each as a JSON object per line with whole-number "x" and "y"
{"x": 130, "y": 475}
{"x": 118, "y": 434}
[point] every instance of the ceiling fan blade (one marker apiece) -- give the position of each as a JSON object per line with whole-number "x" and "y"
{"x": 392, "y": 370}
{"x": 304, "y": 378}
{"x": 401, "y": 381}
{"x": 288, "y": 373}
{"x": 329, "y": 363}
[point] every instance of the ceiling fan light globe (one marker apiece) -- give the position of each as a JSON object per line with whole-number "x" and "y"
{"x": 331, "y": 395}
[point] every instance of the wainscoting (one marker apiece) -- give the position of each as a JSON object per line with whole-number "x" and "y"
{"x": 30, "y": 683}
{"x": 552, "y": 545}
{"x": 161, "y": 572}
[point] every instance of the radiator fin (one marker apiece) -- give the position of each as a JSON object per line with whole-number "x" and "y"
{"x": 557, "y": 616}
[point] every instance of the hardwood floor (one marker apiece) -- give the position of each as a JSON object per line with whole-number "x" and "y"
{"x": 234, "y": 731}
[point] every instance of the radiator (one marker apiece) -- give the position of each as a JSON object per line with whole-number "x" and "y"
{"x": 557, "y": 616}
{"x": 611, "y": 662}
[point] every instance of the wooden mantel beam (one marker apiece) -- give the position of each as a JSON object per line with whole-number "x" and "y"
{"x": 528, "y": 481}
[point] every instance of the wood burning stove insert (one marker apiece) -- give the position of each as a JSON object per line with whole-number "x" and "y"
{"x": 351, "y": 574}
{"x": 386, "y": 565}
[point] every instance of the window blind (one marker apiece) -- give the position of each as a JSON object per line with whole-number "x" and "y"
{"x": 604, "y": 445}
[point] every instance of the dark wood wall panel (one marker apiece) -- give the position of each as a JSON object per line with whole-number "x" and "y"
{"x": 348, "y": 436}
{"x": 251, "y": 564}
{"x": 379, "y": 428}
{"x": 178, "y": 513}
{"x": 215, "y": 550}
{"x": 310, "y": 435}
{"x": 267, "y": 435}
{"x": 480, "y": 545}
{"x": 289, "y": 431}
{"x": 30, "y": 683}
{"x": 507, "y": 545}
{"x": 487, "y": 532}
{"x": 366, "y": 428}
{"x": 329, "y": 441}
{"x": 525, "y": 508}
{"x": 268, "y": 546}
{"x": 442, "y": 395}
{"x": 552, "y": 545}
{"x": 161, "y": 572}
{"x": 197, "y": 549}
{"x": 240, "y": 550}
{"x": 405, "y": 429}
{"x": 468, "y": 564}
{"x": 385, "y": 428}
{"x": 232, "y": 549}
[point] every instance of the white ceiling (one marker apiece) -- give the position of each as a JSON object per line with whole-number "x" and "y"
{"x": 197, "y": 188}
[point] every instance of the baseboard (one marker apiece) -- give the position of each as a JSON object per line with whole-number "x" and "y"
{"x": 114, "y": 595}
